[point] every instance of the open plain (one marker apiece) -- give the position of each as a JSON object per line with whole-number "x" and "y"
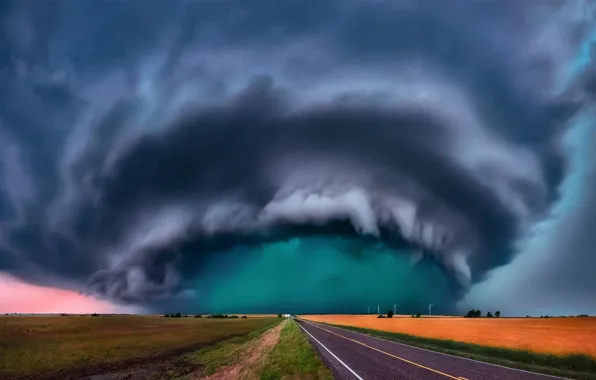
{"x": 64, "y": 347}
{"x": 545, "y": 335}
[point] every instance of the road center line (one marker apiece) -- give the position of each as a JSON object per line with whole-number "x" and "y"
{"x": 332, "y": 354}
{"x": 386, "y": 353}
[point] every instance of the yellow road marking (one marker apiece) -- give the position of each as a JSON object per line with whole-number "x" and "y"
{"x": 388, "y": 354}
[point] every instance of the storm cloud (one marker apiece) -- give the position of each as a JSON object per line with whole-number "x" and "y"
{"x": 142, "y": 143}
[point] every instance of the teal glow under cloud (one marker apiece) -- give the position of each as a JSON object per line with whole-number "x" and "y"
{"x": 316, "y": 274}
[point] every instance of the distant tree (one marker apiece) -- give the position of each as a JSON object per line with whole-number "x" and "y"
{"x": 498, "y": 314}
{"x": 527, "y": 316}
{"x": 489, "y": 315}
{"x": 478, "y": 313}
{"x": 417, "y": 315}
{"x": 95, "y": 315}
{"x": 390, "y": 314}
{"x": 279, "y": 315}
{"x": 471, "y": 314}
{"x": 167, "y": 316}
{"x": 185, "y": 315}
{"x": 198, "y": 316}
{"x": 244, "y": 317}
{"x": 177, "y": 315}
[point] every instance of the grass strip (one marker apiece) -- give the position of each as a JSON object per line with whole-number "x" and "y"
{"x": 227, "y": 352}
{"x": 574, "y": 366}
{"x": 293, "y": 358}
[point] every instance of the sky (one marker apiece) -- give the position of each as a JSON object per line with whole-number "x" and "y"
{"x": 20, "y": 297}
{"x": 222, "y": 156}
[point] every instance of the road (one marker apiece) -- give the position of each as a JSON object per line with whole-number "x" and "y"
{"x": 351, "y": 356}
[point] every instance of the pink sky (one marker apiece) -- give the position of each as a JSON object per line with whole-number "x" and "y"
{"x": 19, "y": 297}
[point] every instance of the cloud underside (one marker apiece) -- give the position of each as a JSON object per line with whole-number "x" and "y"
{"x": 130, "y": 173}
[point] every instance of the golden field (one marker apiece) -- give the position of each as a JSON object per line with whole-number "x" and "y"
{"x": 550, "y": 335}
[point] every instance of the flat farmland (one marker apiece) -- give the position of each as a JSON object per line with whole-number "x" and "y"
{"x": 544, "y": 335}
{"x": 36, "y": 345}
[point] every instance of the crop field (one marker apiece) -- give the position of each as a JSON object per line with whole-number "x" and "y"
{"x": 545, "y": 335}
{"x": 36, "y": 345}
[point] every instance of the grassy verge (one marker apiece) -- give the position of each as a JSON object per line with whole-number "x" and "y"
{"x": 293, "y": 358}
{"x": 227, "y": 352}
{"x": 576, "y": 366}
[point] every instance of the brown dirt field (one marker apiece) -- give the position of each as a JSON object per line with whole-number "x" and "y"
{"x": 551, "y": 335}
{"x": 55, "y": 347}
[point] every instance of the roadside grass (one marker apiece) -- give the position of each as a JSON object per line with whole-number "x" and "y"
{"x": 575, "y": 366}
{"x": 227, "y": 352}
{"x": 37, "y": 345}
{"x": 293, "y": 358}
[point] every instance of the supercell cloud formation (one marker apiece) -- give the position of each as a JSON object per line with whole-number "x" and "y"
{"x": 176, "y": 154}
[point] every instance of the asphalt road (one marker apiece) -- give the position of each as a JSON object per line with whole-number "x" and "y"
{"x": 351, "y": 356}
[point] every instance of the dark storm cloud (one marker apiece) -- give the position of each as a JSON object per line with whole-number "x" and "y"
{"x": 139, "y": 145}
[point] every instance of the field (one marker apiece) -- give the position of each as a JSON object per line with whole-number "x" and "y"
{"x": 62, "y": 347}
{"x": 546, "y": 335}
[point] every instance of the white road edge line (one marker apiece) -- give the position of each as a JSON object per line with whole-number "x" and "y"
{"x": 332, "y": 354}
{"x": 441, "y": 353}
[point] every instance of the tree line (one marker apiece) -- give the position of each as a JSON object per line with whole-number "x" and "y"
{"x": 478, "y": 314}
{"x": 222, "y": 316}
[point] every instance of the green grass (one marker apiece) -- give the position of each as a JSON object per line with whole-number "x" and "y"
{"x": 42, "y": 344}
{"x": 293, "y": 358}
{"x": 576, "y": 366}
{"x": 226, "y": 353}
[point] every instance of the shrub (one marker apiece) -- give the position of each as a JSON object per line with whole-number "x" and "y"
{"x": 233, "y": 316}
{"x": 244, "y": 317}
{"x": 279, "y": 315}
{"x": 198, "y": 316}
{"x": 417, "y": 315}
{"x": 381, "y": 316}
{"x": 473, "y": 314}
{"x": 95, "y": 315}
{"x": 390, "y": 314}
